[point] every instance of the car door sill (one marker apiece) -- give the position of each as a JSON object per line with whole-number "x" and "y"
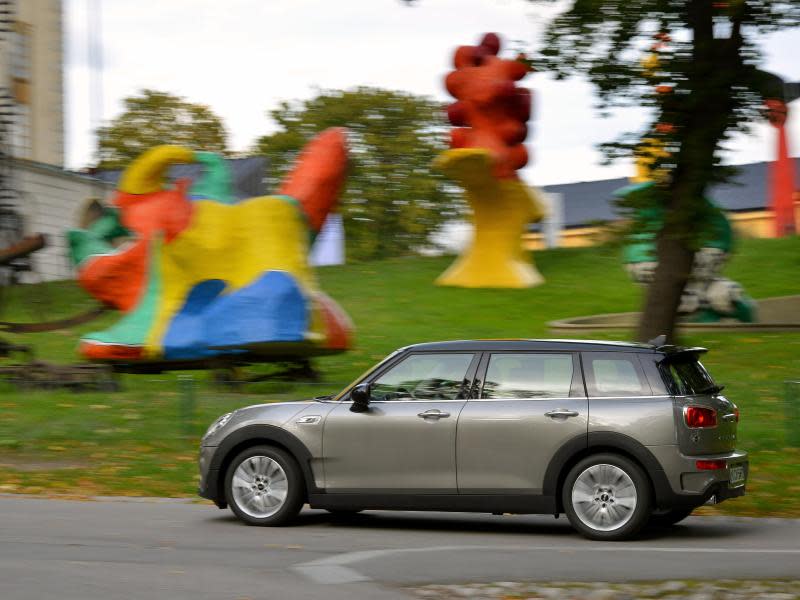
{"x": 492, "y": 503}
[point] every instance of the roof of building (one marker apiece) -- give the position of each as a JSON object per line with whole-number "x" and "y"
{"x": 587, "y": 202}
{"x": 247, "y": 175}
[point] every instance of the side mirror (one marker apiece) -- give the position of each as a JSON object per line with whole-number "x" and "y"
{"x": 360, "y": 396}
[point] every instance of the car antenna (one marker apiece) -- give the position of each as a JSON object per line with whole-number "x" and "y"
{"x": 658, "y": 341}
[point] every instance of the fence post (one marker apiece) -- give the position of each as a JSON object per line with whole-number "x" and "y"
{"x": 186, "y": 403}
{"x": 792, "y": 413}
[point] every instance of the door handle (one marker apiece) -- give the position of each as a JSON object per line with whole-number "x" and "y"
{"x": 561, "y": 412}
{"x": 433, "y": 413}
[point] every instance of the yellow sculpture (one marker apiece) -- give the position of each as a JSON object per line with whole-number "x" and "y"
{"x": 486, "y": 151}
{"x": 501, "y": 211}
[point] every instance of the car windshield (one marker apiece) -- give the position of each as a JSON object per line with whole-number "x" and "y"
{"x": 689, "y": 376}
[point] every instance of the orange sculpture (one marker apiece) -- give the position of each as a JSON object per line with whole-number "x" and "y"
{"x": 490, "y": 115}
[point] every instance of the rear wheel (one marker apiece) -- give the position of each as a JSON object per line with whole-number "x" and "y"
{"x": 264, "y": 486}
{"x": 668, "y": 518}
{"x": 607, "y": 497}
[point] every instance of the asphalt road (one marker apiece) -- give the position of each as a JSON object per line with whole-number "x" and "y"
{"x": 174, "y": 550}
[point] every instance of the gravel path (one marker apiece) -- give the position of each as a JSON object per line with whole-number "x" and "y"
{"x": 663, "y": 590}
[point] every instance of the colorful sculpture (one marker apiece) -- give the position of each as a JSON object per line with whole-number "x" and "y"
{"x": 707, "y": 297}
{"x": 206, "y": 277}
{"x": 777, "y": 95}
{"x": 487, "y": 149}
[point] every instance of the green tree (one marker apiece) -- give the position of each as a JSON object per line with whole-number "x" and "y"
{"x": 152, "y": 118}
{"x": 392, "y": 200}
{"x": 705, "y": 86}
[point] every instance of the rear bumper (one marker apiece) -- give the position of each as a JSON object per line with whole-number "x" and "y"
{"x": 690, "y": 486}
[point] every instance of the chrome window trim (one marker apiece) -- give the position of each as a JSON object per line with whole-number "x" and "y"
{"x": 568, "y": 398}
{"x": 414, "y": 401}
{"x": 539, "y": 399}
{"x": 644, "y": 398}
{"x": 625, "y": 397}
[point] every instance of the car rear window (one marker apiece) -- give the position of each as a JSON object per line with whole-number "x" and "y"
{"x": 687, "y": 377}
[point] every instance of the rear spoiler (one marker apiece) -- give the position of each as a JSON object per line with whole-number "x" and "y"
{"x": 672, "y": 352}
{"x": 677, "y": 352}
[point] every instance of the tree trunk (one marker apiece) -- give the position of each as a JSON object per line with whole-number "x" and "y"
{"x": 703, "y": 117}
{"x": 664, "y": 293}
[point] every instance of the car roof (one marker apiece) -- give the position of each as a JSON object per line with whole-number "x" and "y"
{"x": 533, "y": 345}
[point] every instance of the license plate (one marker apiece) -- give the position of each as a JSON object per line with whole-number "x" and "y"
{"x": 736, "y": 475}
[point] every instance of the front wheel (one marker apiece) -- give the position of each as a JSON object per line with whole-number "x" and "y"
{"x": 264, "y": 486}
{"x": 607, "y": 497}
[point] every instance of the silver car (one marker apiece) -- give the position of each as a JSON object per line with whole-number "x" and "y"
{"x": 614, "y": 435}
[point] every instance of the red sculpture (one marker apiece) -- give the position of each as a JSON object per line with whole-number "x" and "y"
{"x": 491, "y": 110}
{"x": 490, "y": 115}
{"x": 781, "y": 171}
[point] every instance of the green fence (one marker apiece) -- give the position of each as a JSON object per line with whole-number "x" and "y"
{"x": 792, "y": 413}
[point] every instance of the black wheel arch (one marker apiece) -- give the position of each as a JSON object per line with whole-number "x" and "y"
{"x": 582, "y": 446}
{"x": 256, "y": 435}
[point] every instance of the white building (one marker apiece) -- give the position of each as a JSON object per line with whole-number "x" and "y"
{"x": 50, "y": 200}
{"x": 33, "y": 184}
{"x": 31, "y": 78}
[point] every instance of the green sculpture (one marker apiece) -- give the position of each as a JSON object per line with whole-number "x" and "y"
{"x": 708, "y": 297}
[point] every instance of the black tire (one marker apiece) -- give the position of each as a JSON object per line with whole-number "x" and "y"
{"x": 668, "y": 518}
{"x": 632, "y": 522}
{"x": 295, "y": 493}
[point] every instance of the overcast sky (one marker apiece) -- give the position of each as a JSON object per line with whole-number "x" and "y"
{"x": 241, "y": 57}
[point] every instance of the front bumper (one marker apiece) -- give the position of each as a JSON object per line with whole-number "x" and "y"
{"x": 209, "y": 478}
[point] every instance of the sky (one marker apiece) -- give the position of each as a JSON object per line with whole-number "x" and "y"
{"x": 242, "y": 57}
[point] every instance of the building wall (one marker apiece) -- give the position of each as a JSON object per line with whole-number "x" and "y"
{"x": 50, "y": 201}
{"x": 31, "y": 73}
{"x": 754, "y": 223}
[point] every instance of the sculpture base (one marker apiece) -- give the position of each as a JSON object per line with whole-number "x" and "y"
{"x": 501, "y": 211}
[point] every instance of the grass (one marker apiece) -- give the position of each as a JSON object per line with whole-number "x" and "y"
{"x": 135, "y": 443}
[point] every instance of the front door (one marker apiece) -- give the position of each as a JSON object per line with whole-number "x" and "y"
{"x": 530, "y": 404}
{"x": 406, "y": 441}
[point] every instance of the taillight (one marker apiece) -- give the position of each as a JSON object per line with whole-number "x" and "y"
{"x": 736, "y": 412}
{"x": 699, "y": 417}
{"x": 710, "y": 465}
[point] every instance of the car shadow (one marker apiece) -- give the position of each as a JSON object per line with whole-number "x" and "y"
{"x": 690, "y": 530}
{"x": 433, "y": 521}
{"x": 507, "y": 525}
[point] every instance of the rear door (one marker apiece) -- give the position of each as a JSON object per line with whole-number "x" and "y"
{"x": 526, "y": 406}
{"x": 622, "y": 400}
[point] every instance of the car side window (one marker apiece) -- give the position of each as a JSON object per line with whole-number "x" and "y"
{"x": 654, "y": 374}
{"x": 614, "y": 374}
{"x": 424, "y": 377}
{"x": 521, "y": 375}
